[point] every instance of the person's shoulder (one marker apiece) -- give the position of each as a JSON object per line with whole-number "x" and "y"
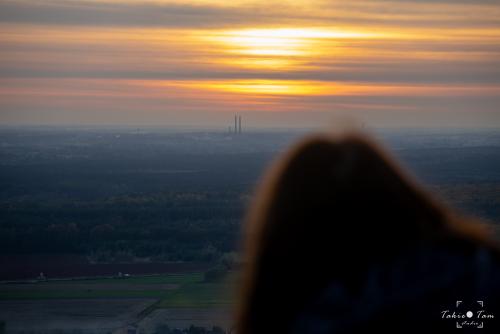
{"x": 413, "y": 289}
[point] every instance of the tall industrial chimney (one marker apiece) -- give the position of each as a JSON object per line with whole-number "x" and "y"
{"x": 239, "y": 124}
{"x": 235, "y": 123}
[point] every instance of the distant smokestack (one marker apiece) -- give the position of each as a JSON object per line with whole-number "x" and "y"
{"x": 235, "y": 123}
{"x": 239, "y": 124}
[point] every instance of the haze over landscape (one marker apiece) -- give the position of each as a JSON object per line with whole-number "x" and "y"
{"x": 124, "y": 180}
{"x": 279, "y": 64}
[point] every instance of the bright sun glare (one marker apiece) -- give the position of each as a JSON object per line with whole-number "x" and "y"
{"x": 281, "y": 49}
{"x": 281, "y": 42}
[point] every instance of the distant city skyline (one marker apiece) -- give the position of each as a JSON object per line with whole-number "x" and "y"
{"x": 276, "y": 64}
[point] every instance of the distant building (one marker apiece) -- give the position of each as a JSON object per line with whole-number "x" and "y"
{"x": 237, "y": 124}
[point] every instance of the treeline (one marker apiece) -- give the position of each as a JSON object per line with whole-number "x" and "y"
{"x": 168, "y": 226}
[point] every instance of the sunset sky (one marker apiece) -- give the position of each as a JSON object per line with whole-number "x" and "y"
{"x": 277, "y": 63}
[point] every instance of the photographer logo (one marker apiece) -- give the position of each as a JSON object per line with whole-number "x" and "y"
{"x": 468, "y": 315}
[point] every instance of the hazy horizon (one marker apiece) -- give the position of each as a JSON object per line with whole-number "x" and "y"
{"x": 288, "y": 64}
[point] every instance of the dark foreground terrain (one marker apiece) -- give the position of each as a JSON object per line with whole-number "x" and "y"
{"x": 149, "y": 220}
{"x": 151, "y": 196}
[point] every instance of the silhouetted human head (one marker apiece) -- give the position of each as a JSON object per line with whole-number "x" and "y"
{"x": 329, "y": 210}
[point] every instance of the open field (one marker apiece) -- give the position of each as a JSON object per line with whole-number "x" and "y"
{"x": 17, "y": 267}
{"x": 174, "y": 299}
{"x": 174, "y": 290}
{"x": 179, "y": 290}
{"x": 100, "y": 316}
{"x": 184, "y": 317}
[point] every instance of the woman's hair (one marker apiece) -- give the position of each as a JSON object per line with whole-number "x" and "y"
{"x": 327, "y": 210}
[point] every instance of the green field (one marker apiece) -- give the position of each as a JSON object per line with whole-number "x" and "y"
{"x": 172, "y": 291}
{"x": 156, "y": 279}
